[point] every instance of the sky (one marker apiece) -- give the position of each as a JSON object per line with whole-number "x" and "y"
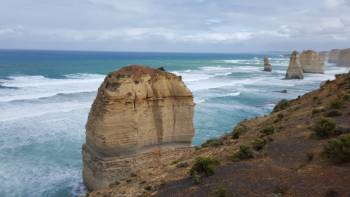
{"x": 175, "y": 25}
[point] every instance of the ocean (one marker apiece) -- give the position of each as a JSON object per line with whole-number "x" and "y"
{"x": 45, "y": 98}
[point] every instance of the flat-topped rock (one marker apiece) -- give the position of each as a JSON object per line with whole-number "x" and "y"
{"x": 311, "y": 62}
{"x": 294, "y": 70}
{"x": 267, "y": 65}
{"x": 344, "y": 58}
{"x": 140, "y": 118}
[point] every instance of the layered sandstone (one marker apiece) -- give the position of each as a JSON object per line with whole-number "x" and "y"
{"x": 311, "y": 62}
{"x": 267, "y": 65}
{"x": 142, "y": 118}
{"x": 294, "y": 69}
{"x": 344, "y": 58}
{"x": 333, "y": 56}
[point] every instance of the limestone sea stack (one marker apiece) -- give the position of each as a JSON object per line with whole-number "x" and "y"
{"x": 344, "y": 58}
{"x": 267, "y": 65}
{"x": 333, "y": 56}
{"x": 311, "y": 62}
{"x": 294, "y": 69}
{"x": 324, "y": 56}
{"x": 141, "y": 118}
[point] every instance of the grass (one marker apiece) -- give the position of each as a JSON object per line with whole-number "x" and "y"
{"x": 281, "y": 105}
{"x": 214, "y": 142}
{"x": 324, "y": 128}
{"x": 338, "y": 150}
{"x": 239, "y": 130}
{"x": 203, "y": 166}
{"x": 337, "y": 104}
{"x": 268, "y": 130}
{"x": 220, "y": 191}
{"x": 245, "y": 152}
{"x": 259, "y": 144}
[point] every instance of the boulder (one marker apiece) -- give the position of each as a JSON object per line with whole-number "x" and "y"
{"x": 294, "y": 69}
{"x": 267, "y": 65}
{"x": 142, "y": 118}
{"x": 333, "y": 56}
{"x": 311, "y": 62}
{"x": 344, "y": 58}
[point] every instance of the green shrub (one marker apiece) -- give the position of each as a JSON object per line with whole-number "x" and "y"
{"x": 337, "y": 104}
{"x": 324, "y": 128}
{"x": 281, "y": 105}
{"x": 220, "y": 191}
{"x": 338, "y": 150}
{"x": 259, "y": 144}
{"x": 268, "y": 130}
{"x": 203, "y": 166}
{"x": 245, "y": 152}
{"x": 346, "y": 97}
{"x": 214, "y": 142}
{"x": 239, "y": 130}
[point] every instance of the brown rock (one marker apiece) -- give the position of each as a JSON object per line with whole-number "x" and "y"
{"x": 311, "y": 62}
{"x": 294, "y": 69}
{"x": 267, "y": 65}
{"x": 141, "y": 118}
{"x": 344, "y": 58}
{"x": 333, "y": 56}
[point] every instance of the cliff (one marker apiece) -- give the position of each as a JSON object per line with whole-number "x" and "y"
{"x": 141, "y": 119}
{"x": 267, "y": 65}
{"x": 294, "y": 70}
{"x": 333, "y": 56}
{"x": 311, "y": 62}
{"x": 300, "y": 149}
{"x": 344, "y": 58}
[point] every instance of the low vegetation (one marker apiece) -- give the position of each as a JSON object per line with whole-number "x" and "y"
{"x": 239, "y": 130}
{"x": 259, "y": 144}
{"x": 338, "y": 150}
{"x": 324, "y": 128}
{"x": 214, "y": 142}
{"x": 337, "y": 104}
{"x": 220, "y": 191}
{"x": 203, "y": 167}
{"x": 281, "y": 105}
{"x": 268, "y": 130}
{"x": 245, "y": 152}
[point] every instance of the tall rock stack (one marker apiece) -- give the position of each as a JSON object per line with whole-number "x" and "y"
{"x": 267, "y": 65}
{"x": 333, "y": 56}
{"x": 142, "y": 118}
{"x": 344, "y": 58}
{"x": 294, "y": 69}
{"x": 311, "y": 62}
{"x": 324, "y": 56}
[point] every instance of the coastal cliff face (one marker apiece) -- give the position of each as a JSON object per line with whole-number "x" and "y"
{"x": 311, "y": 62}
{"x": 344, "y": 58}
{"x": 141, "y": 119}
{"x": 267, "y": 65}
{"x": 294, "y": 69}
{"x": 333, "y": 56}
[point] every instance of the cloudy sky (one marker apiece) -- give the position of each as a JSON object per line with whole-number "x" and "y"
{"x": 175, "y": 25}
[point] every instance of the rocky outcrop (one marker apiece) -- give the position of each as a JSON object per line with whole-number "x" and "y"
{"x": 324, "y": 56}
{"x": 294, "y": 69}
{"x": 141, "y": 119}
{"x": 311, "y": 62}
{"x": 344, "y": 58}
{"x": 333, "y": 56}
{"x": 267, "y": 65}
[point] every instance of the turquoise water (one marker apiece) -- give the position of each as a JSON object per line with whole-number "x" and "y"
{"x": 45, "y": 97}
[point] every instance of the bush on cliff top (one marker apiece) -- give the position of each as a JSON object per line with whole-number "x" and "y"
{"x": 338, "y": 150}
{"x": 239, "y": 130}
{"x": 268, "y": 130}
{"x": 259, "y": 144}
{"x": 214, "y": 142}
{"x": 324, "y": 128}
{"x": 281, "y": 105}
{"x": 245, "y": 152}
{"x": 203, "y": 166}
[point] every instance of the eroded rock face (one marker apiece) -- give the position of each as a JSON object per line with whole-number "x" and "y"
{"x": 141, "y": 118}
{"x": 267, "y": 65}
{"x": 344, "y": 58}
{"x": 311, "y": 62}
{"x": 294, "y": 69}
{"x": 333, "y": 56}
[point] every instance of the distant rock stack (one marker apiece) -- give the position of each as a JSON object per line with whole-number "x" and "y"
{"x": 142, "y": 118}
{"x": 267, "y": 65}
{"x": 333, "y": 56}
{"x": 311, "y": 62}
{"x": 344, "y": 58}
{"x": 324, "y": 56}
{"x": 294, "y": 69}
